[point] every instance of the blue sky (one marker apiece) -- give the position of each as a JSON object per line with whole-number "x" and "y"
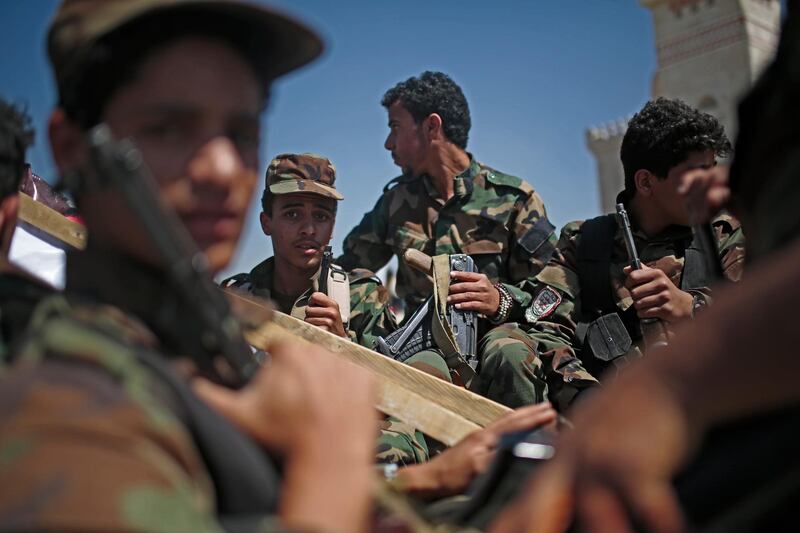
{"x": 536, "y": 74}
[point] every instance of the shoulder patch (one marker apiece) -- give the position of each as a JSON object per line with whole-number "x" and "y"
{"x": 545, "y": 303}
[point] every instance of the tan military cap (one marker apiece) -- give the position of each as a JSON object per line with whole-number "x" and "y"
{"x": 283, "y": 43}
{"x": 309, "y": 173}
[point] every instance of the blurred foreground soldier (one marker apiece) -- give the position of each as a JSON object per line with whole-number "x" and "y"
{"x": 99, "y": 429}
{"x": 19, "y": 291}
{"x": 588, "y": 312}
{"x": 446, "y": 202}
{"x": 299, "y": 207}
{"x": 631, "y": 439}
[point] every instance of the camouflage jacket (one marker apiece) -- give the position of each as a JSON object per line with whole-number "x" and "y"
{"x": 497, "y": 219}
{"x": 99, "y": 432}
{"x": 558, "y": 302}
{"x": 370, "y": 316}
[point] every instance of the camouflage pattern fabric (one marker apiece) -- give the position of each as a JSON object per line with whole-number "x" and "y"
{"x": 510, "y": 371}
{"x": 370, "y": 318}
{"x": 497, "y": 219}
{"x": 555, "y": 333}
{"x": 88, "y": 436}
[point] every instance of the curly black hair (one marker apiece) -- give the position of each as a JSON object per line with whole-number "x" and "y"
{"x": 434, "y": 92}
{"x": 16, "y": 135}
{"x": 663, "y": 134}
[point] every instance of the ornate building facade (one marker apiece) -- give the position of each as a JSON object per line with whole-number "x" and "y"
{"x": 709, "y": 52}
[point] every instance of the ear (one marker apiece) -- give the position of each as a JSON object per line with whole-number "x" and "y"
{"x": 644, "y": 180}
{"x": 67, "y": 141}
{"x": 432, "y": 126}
{"x": 266, "y": 223}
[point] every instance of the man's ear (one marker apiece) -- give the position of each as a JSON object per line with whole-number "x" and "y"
{"x": 432, "y": 126}
{"x": 266, "y": 223}
{"x": 644, "y": 181}
{"x": 67, "y": 141}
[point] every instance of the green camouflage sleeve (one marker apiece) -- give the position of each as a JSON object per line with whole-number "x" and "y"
{"x": 89, "y": 441}
{"x": 366, "y": 245}
{"x": 82, "y": 453}
{"x": 370, "y": 316}
{"x": 533, "y": 245}
{"x": 556, "y": 320}
{"x": 400, "y": 443}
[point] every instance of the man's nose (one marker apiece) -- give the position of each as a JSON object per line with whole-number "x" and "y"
{"x": 307, "y": 227}
{"x": 389, "y": 142}
{"x": 217, "y": 162}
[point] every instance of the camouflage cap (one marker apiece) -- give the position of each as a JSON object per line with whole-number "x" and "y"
{"x": 282, "y": 43}
{"x": 308, "y": 173}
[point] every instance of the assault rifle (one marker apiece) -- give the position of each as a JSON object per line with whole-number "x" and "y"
{"x": 212, "y": 331}
{"x": 653, "y": 331}
{"x": 417, "y": 334}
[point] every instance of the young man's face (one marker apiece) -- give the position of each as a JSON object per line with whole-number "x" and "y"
{"x": 300, "y": 226}
{"x": 665, "y": 191}
{"x": 193, "y": 111}
{"x": 406, "y": 141}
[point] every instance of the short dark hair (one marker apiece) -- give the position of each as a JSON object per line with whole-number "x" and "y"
{"x": 663, "y": 134}
{"x": 114, "y": 61}
{"x": 434, "y": 92}
{"x": 16, "y": 135}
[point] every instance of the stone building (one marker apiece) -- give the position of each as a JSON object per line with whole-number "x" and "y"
{"x": 709, "y": 52}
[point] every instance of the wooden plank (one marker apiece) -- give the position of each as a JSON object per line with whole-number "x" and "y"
{"x": 439, "y": 409}
{"x": 461, "y": 402}
{"x": 51, "y": 222}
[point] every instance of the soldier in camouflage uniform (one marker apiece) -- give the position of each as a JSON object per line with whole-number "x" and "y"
{"x": 447, "y": 202}
{"x": 298, "y": 213}
{"x": 19, "y": 291}
{"x": 664, "y": 141}
{"x": 100, "y": 429}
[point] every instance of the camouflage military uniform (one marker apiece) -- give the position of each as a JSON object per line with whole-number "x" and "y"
{"x": 558, "y": 303}
{"x": 91, "y": 390}
{"x": 369, "y": 318}
{"x": 498, "y": 220}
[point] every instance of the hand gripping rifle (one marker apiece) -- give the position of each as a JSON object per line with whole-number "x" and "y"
{"x": 653, "y": 330}
{"x": 418, "y": 333}
{"x": 212, "y": 331}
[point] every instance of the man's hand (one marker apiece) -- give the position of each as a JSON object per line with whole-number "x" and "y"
{"x": 705, "y": 193}
{"x": 655, "y": 296}
{"x": 620, "y": 458}
{"x": 318, "y": 411}
{"x": 474, "y": 292}
{"x": 323, "y": 312}
{"x": 300, "y": 395}
{"x": 450, "y": 472}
